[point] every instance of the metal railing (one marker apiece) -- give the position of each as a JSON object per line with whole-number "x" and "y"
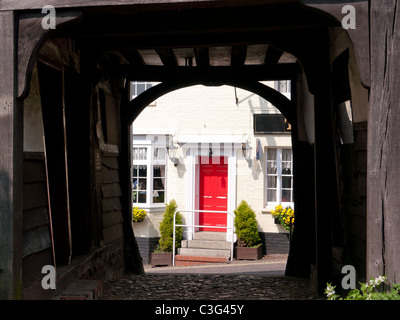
{"x": 202, "y": 226}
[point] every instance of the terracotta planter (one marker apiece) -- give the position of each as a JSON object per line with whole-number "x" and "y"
{"x": 161, "y": 259}
{"x": 246, "y": 253}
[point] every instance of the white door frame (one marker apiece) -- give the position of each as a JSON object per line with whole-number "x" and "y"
{"x": 192, "y": 181}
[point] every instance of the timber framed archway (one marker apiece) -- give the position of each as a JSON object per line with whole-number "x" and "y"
{"x": 301, "y": 27}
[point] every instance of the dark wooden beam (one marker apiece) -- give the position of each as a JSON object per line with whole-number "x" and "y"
{"x": 281, "y": 102}
{"x": 133, "y": 57}
{"x": 259, "y": 73}
{"x": 11, "y": 163}
{"x": 38, "y": 4}
{"x": 359, "y": 36}
{"x": 167, "y": 57}
{"x": 273, "y": 55}
{"x": 31, "y": 36}
{"x": 202, "y": 57}
{"x": 238, "y": 56}
{"x": 383, "y": 174}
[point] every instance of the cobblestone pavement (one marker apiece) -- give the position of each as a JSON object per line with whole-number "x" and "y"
{"x": 239, "y": 280}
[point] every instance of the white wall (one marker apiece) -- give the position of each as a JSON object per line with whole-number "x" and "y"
{"x": 210, "y": 114}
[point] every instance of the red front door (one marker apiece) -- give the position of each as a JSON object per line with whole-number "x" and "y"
{"x": 213, "y": 193}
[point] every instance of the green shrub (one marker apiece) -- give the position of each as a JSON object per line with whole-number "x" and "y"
{"x": 368, "y": 291}
{"x": 167, "y": 226}
{"x": 246, "y": 226}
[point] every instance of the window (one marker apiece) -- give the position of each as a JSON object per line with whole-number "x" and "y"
{"x": 138, "y": 87}
{"x": 284, "y": 87}
{"x": 279, "y": 176}
{"x": 148, "y": 175}
{"x": 271, "y": 124}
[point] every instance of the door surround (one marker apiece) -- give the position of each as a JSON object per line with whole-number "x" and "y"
{"x": 193, "y": 151}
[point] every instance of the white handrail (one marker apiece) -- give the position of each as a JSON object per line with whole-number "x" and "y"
{"x": 199, "y": 226}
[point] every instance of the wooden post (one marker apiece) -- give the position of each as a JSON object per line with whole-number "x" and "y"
{"x": 301, "y": 253}
{"x": 11, "y": 135}
{"x": 133, "y": 260}
{"x": 383, "y": 177}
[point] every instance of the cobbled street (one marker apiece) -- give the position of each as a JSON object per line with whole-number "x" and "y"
{"x": 239, "y": 280}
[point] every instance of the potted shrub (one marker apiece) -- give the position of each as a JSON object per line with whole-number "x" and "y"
{"x": 162, "y": 256}
{"x": 249, "y": 245}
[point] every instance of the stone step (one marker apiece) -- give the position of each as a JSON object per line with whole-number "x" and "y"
{"x": 195, "y": 261}
{"x": 206, "y": 244}
{"x": 209, "y": 235}
{"x": 198, "y": 252}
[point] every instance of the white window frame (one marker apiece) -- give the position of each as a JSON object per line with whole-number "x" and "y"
{"x": 279, "y": 176}
{"x": 288, "y": 84}
{"x": 133, "y": 89}
{"x": 150, "y": 162}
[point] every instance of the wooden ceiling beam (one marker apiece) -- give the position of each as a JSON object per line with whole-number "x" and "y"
{"x": 259, "y": 73}
{"x": 273, "y": 55}
{"x": 123, "y": 5}
{"x": 238, "y": 56}
{"x": 202, "y": 57}
{"x": 167, "y": 57}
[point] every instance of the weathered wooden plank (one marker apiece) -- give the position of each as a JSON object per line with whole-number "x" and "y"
{"x": 34, "y": 171}
{"x": 31, "y": 36}
{"x": 359, "y": 36}
{"x": 111, "y": 190}
{"x": 112, "y": 233}
{"x": 11, "y": 164}
{"x": 109, "y": 176}
{"x": 111, "y": 204}
{"x": 383, "y": 223}
{"x": 111, "y": 218}
{"x": 38, "y": 4}
{"x": 35, "y": 218}
{"x": 53, "y": 109}
{"x": 32, "y": 266}
{"x": 36, "y": 240}
{"x": 110, "y": 162}
{"x": 35, "y": 195}
{"x": 34, "y": 156}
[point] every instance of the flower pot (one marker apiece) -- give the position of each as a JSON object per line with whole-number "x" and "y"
{"x": 161, "y": 259}
{"x": 249, "y": 253}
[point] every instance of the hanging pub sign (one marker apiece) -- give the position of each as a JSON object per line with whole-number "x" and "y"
{"x": 271, "y": 124}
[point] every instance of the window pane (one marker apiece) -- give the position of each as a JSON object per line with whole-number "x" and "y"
{"x": 143, "y": 171}
{"x": 135, "y": 171}
{"x": 271, "y": 195}
{"x": 271, "y": 154}
{"x": 159, "y": 153}
{"x": 271, "y": 167}
{"x": 135, "y": 183}
{"x": 271, "y": 182}
{"x": 159, "y": 184}
{"x": 286, "y": 196}
{"x": 287, "y": 182}
{"x": 139, "y": 154}
{"x": 286, "y": 155}
{"x": 286, "y": 168}
{"x": 158, "y": 196}
{"x": 142, "y": 184}
{"x": 159, "y": 171}
{"x": 142, "y": 197}
{"x": 141, "y": 87}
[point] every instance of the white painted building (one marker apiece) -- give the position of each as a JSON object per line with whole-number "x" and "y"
{"x": 207, "y": 125}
